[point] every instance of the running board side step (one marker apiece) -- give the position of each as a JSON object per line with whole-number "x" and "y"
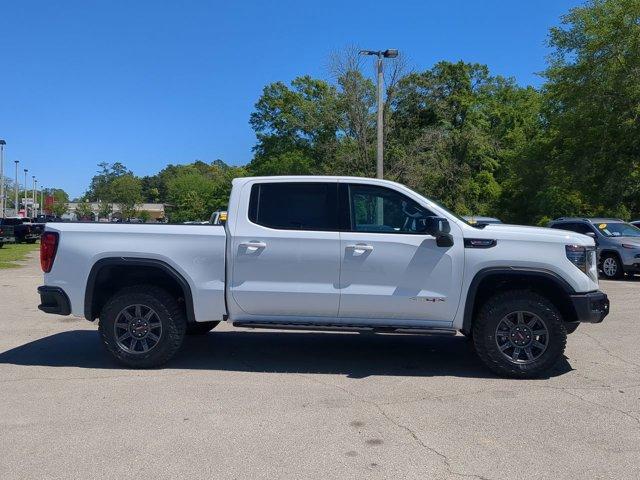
{"x": 348, "y": 328}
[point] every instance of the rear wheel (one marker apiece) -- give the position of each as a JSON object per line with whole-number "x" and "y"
{"x": 33, "y": 240}
{"x": 612, "y": 267}
{"x": 519, "y": 334}
{"x": 200, "y": 328}
{"x": 142, "y": 326}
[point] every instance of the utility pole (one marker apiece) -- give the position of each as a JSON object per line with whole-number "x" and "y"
{"x": 2, "y": 202}
{"x": 380, "y": 54}
{"x": 41, "y": 200}
{"x": 15, "y": 203}
{"x": 25, "y": 193}
{"x": 380, "y": 123}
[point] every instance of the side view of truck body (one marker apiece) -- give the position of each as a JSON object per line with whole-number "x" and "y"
{"x": 326, "y": 253}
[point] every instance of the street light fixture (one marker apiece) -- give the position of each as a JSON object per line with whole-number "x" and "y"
{"x": 2, "y": 203}
{"x": 389, "y": 53}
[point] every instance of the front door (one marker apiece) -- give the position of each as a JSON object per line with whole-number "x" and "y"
{"x": 389, "y": 268}
{"x": 287, "y": 251}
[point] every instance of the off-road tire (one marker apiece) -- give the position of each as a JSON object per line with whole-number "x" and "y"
{"x": 503, "y": 304}
{"x": 201, "y": 328}
{"x": 619, "y": 273}
{"x": 171, "y": 317}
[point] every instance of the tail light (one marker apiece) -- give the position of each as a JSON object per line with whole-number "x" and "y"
{"x": 48, "y": 249}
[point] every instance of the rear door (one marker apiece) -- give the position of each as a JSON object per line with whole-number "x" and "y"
{"x": 286, "y": 251}
{"x": 389, "y": 268}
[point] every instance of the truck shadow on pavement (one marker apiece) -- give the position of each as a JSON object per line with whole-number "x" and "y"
{"x": 353, "y": 355}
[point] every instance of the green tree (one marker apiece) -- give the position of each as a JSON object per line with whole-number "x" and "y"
{"x": 144, "y": 215}
{"x": 303, "y": 118}
{"x": 455, "y": 131}
{"x": 191, "y": 195}
{"x": 126, "y": 192}
{"x": 593, "y": 106}
{"x": 104, "y": 209}
{"x": 100, "y": 188}
{"x": 196, "y": 190}
{"x": 83, "y": 210}
{"x": 60, "y": 204}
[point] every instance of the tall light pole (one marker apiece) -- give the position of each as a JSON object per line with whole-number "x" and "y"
{"x": 389, "y": 53}
{"x": 25, "y": 193}
{"x": 15, "y": 204}
{"x": 2, "y": 203}
{"x": 33, "y": 198}
{"x": 41, "y": 199}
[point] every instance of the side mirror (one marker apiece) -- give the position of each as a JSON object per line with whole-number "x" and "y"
{"x": 439, "y": 228}
{"x": 592, "y": 235}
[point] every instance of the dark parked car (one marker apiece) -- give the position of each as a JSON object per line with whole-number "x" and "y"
{"x": 24, "y": 231}
{"x": 6, "y": 234}
{"x": 46, "y": 218}
{"x": 617, "y": 242}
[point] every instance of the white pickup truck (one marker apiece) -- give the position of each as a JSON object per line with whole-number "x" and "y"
{"x": 330, "y": 253}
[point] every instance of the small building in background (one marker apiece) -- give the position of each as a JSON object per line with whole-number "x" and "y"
{"x": 155, "y": 212}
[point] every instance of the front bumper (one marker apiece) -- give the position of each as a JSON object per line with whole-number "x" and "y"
{"x": 54, "y": 300}
{"x": 7, "y": 239}
{"x": 590, "y": 307}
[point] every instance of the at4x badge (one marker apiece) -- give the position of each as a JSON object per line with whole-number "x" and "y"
{"x": 428, "y": 299}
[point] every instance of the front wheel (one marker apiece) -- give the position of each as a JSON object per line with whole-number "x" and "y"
{"x": 612, "y": 267}
{"x": 519, "y": 334}
{"x": 142, "y": 326}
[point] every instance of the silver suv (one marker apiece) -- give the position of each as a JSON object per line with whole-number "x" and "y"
{"x": 618, "y": 242}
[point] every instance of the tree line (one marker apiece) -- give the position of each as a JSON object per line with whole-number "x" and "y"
{"x": 476, "y": 142}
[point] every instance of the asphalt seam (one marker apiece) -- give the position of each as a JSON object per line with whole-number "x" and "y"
{"x": 445, "y": 459}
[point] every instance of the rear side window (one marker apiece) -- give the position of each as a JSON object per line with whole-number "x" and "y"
{"x": 295, "y": 206}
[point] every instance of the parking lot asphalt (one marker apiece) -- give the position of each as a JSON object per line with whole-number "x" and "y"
{"x": 243, "y": 404}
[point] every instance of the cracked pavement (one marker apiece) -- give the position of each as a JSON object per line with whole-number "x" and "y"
{"x": 243, "y": 404}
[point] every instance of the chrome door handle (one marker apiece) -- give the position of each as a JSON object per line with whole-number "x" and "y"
{"x": 253, "y": 247}
{"x": 360, "y": 248}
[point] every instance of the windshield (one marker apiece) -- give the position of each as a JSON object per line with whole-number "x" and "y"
{"x": 463, "y": 220}
{"x": 618, "y": 229}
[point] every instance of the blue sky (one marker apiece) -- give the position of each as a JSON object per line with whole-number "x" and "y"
{"x": 149, "y": 83}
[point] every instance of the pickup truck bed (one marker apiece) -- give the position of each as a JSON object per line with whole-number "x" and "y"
{"x": 195, "y": 252}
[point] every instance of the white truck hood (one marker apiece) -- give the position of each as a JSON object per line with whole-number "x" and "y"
{"x": 521, "y": 232}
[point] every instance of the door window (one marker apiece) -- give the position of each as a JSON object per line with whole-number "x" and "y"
{"x": 295, "y": 206}
{"x": 382, "y": 210}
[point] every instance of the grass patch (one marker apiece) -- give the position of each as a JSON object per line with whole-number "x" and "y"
{"x": 11, "y": 253}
